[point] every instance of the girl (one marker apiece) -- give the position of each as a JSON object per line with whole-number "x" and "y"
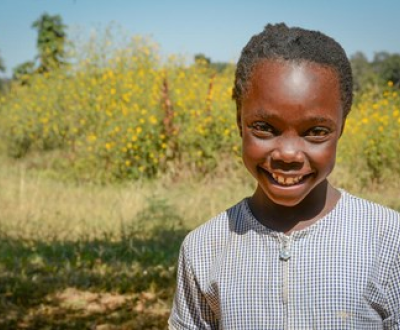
{"x": 299, "y": 253}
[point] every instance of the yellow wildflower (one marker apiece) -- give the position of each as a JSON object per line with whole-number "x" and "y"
{"x": 153, "y": 119}
{"x": 91, "y": 138}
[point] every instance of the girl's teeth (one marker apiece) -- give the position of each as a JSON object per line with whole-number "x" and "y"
{"x": 286, "y": 181}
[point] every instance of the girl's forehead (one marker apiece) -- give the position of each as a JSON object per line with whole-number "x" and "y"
{"x": 299, "y": 86}
{"x": 297, "y": 77}
{"x": 295, "y": 67}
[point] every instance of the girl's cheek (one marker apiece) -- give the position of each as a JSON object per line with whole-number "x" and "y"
{"x": 254, "y": 149}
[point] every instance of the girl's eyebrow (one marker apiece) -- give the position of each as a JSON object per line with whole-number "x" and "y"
{"x": 321, "y": 120}
{"x": 312, "y": 119}
{"x": 265, "y": 116}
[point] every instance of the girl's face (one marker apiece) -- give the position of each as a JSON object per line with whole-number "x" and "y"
{"x": 290, "y": 122}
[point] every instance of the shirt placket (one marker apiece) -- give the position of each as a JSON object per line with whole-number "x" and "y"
{"x": 285, "y": 254}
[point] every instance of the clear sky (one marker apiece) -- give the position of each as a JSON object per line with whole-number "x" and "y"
{"x": 217, "y": 28}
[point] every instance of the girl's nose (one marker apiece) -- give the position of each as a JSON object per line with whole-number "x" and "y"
{"x": 288, "y": 151}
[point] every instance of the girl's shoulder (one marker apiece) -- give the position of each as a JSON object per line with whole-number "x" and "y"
{"x": 370, "y": 217}
{"x": 214, "y": 234}
{"x": 361, "y": 207}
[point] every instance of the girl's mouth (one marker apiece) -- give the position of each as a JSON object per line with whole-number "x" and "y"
{"x": 288, "y": 181}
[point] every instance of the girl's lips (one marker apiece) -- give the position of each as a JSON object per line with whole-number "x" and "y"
{"x": 286, "y": 180}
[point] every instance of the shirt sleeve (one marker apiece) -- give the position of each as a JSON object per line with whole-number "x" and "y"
{"x": 190, "y": 309}
{"x": 393, "y": 295}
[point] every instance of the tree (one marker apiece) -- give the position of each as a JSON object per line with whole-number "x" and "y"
{"x": 23, "y": 71}
{"x": 2, "y": 66}
{"x": 51, "y": 41}
{"x": 201, "y": 59}
{"x": 388, "y": 66}
{"x": 364, "y": 75}
{"x": 2, "y": 69}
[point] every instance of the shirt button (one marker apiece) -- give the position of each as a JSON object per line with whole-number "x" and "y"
{"x": 284, "y": 255}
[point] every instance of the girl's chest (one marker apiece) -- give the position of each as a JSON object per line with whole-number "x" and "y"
{"x": 299, "y": 284}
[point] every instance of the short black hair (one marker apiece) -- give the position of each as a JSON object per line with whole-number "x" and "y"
{"x": 279, "y": 42}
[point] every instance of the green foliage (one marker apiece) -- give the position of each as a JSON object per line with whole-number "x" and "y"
{"x": 121, "y": 114}
{"x": 2, "y": 66}
{"x": 383, "y": 68}
{"x": 202, "y": 59}
{"x": 370, "y": 145}
{"x": 23, "y": 72}
{"x": 50, "y": 42}
{"x": 2, "y": 69}
{"x": 388, "y": 67}
{"x": 219, "y": 67}
{"x": 364, "y": 75}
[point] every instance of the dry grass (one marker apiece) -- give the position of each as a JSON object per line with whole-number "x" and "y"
{"x": 386, "y": 192}
{"x": 100, "y": 257}
{"x": 33, "y": 203}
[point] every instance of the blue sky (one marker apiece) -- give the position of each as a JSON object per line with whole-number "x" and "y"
{"x": 217, "y": 28}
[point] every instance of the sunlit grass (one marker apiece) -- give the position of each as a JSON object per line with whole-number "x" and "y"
{"x": 71, "y": 255}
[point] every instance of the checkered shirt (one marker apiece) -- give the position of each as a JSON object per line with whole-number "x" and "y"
{"x": 341, "y": 273}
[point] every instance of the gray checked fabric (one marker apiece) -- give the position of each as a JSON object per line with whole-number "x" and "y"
{"x": 341, "y": 273}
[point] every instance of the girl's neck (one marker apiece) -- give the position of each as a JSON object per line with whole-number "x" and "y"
{"x": 288, "y": 219}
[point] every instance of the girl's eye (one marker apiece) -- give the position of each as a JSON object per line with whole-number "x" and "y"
{"x": 262, "y": 128}
{"x": 318, "y": 133}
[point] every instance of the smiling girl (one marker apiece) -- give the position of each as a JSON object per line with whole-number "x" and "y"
{"x": 299, "y": 253}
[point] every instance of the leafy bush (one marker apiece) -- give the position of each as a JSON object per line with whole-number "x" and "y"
{"x": 121, "y": 113}
{"x": 370, "y": 146}
{"x": 124, "y": 115}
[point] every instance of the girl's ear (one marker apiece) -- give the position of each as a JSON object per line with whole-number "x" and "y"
{"x": 239, "y": 121}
